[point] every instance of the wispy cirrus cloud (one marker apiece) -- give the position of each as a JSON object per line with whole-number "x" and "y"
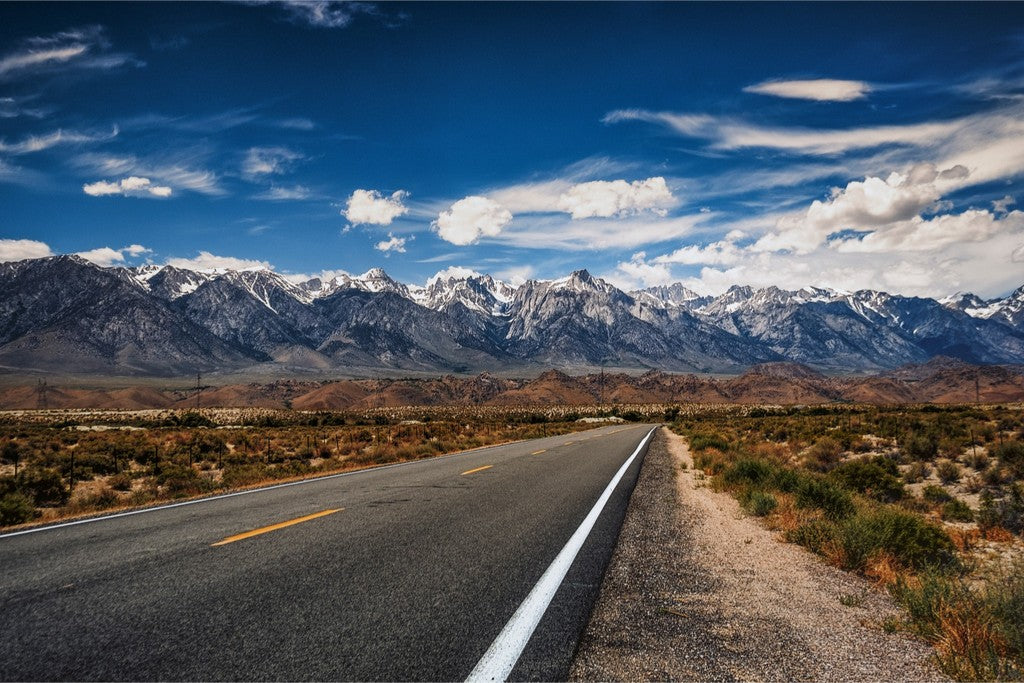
{"x": 39, "y": 143}
{"x": 280, "y": 193}
{"x": 179, "y": 170}
{"x": 78, "y": 48}
{"x": 264, "y": 161}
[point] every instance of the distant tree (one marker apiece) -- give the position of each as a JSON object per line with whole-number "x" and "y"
{"x": 11, "y": 454}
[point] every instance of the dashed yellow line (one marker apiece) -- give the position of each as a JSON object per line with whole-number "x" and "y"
{"x": 275, "y": 527}
{"x": 543, "y": 450}
{"x": 478, "y": 469}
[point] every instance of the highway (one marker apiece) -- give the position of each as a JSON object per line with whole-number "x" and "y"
{"x": 408, "y": 572}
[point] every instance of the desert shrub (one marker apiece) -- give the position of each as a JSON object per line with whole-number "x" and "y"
{"x": 786, "y": 480}
{"x": 993, "y": 476}
{"x": 45, "y": 486}
{"x": 920, "y": 447}
{"x": 977, "y": 635}
{"x": 702, "y": 442}
{"x": 825, "y": 496}
{"x": 917, "y": 471}
{"x": 936, "y": 494}
{"x": 120, "y": 482}
{"x": 1011, "y": 456}
{"x": 957, "y": 511}
{"x": 100, "y": 500}
{"x": 948, "y": 471}
{"x": 877, "y": 478}
{"x": 16, "y": 508}
{"x": 1006, "y": 512}
{"x": 977, "y": 461}
{"x": 180, "y": 480}
{"x": 909, "y": 539}
{"x": 816, "y": 535}
{"x": 758, "y": 503}
{"x": 747, "y": 471}
{"x": 824, "y": 454}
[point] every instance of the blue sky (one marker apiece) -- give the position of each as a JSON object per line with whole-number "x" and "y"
{"x": 850, "y": 146}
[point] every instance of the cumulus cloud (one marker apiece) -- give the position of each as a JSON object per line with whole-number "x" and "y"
{"x": 106, "y": 256}
{"x": 370, "y": 207}
{"x": 132, "y": 186}
{"x": 392, "y": 243}
{"x": 1003, "y": 205}
{"x": 604, "y": 199}
{"x": 919, "y": 234}
{"x": 819, "y": 89}
{"x": 261, "y": 161}
{"x": 471, "y": 218}
{"x": 637, "y": 272}
{"x": 863, "y": 205}
{"x": 208, "y": 262}
{"x": 19, "y": 250}
{"x": 723, "y": 252}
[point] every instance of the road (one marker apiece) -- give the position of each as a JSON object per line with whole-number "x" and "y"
{"x": 408, "y": 572}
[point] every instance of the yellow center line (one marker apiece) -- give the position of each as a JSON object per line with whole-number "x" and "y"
{"x": 275, "y": 527}
{"x": 478, "y": 469}
{"x": 543, "y": 450}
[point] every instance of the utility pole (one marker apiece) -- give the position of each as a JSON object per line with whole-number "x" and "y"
{"x": 199, "y": 388}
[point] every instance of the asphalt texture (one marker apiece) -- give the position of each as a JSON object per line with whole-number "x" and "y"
{"x": 412, "y": 579}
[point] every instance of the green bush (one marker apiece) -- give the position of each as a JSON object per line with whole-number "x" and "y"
{"x": 877, "y": 478}
{"x": 702, "y": 442}
{"x": 948, "y": 471}
{"x": 747, "y": 471}
{"x": 45, "y": 486}
{"x": 936, "y": 494}
{"x": 818, "y": 494}
{"x": 912, "y": 541}
{"x": 1006, "y": 512}
{"x": 957, "y": 511}
{"x": 824, "y": 454}
{"x": 919, "y": 447}
{"x": 1011, "y": 455}
{"x": 16, "y": 508}
{"x": 758, "y": 503}
{"x": 814, "y": 535}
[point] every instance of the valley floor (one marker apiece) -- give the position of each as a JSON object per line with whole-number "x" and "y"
{"x": 698, "y": 591}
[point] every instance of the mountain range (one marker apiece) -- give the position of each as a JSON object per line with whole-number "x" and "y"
{"x": 65, "y": 314}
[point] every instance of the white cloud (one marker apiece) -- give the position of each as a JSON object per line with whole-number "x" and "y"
{"x": 515, "y": 275}
{"x": 637, "y": 272}
{"x": 604, "y": 199}
{"x": 724, "y": 252}
{"x": 208, "y": 262}
{"x": 132, "y": 186}
{"x": 370, "y": 207}
{"x": 864, "y": 205}
{"x": 106, "y": 257}
{"x": 326, "y": 13}
{"x": 39, "y": 143}
{"x": 82, "y": 48}
{"x": 471, "y": 218}
{"x": 177, "y": 170}
{"x": 559, "y": 232}
{"x": 396, "y": 244}
{"x": 19, "y": 250}
{"x": 732, "y": 134}
{"x": 919, "y": 234}
{"x": 1003, "y": 205}
{"x": 280, "y": 193}
{"x": 260, "y": 161}
{"x": 819, "y": 89}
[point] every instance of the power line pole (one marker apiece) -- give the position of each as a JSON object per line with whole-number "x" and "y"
{"x": 199, "y": 387}
{"x": 41, "y": 400}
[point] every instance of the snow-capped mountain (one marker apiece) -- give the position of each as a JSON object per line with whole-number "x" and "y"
{"x": 64, "y": 313}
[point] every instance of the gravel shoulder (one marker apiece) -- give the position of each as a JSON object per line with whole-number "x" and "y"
{"x": 696, "y": 590}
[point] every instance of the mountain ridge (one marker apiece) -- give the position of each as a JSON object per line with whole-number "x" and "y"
{"x": 64, "y": 313}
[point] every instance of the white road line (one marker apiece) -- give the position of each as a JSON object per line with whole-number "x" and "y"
{"x": 499, "y": 660}
{"x": 156, "y": 508}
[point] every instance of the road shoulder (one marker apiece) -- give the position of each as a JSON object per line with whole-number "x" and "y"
{"x": 695, "y": 590}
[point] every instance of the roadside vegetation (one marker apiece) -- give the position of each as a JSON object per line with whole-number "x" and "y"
{"x": 57, "y": 464}
{"x": 928, "y": 502}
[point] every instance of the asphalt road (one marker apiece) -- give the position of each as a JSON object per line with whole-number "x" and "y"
{"x": 411, "y": 577}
